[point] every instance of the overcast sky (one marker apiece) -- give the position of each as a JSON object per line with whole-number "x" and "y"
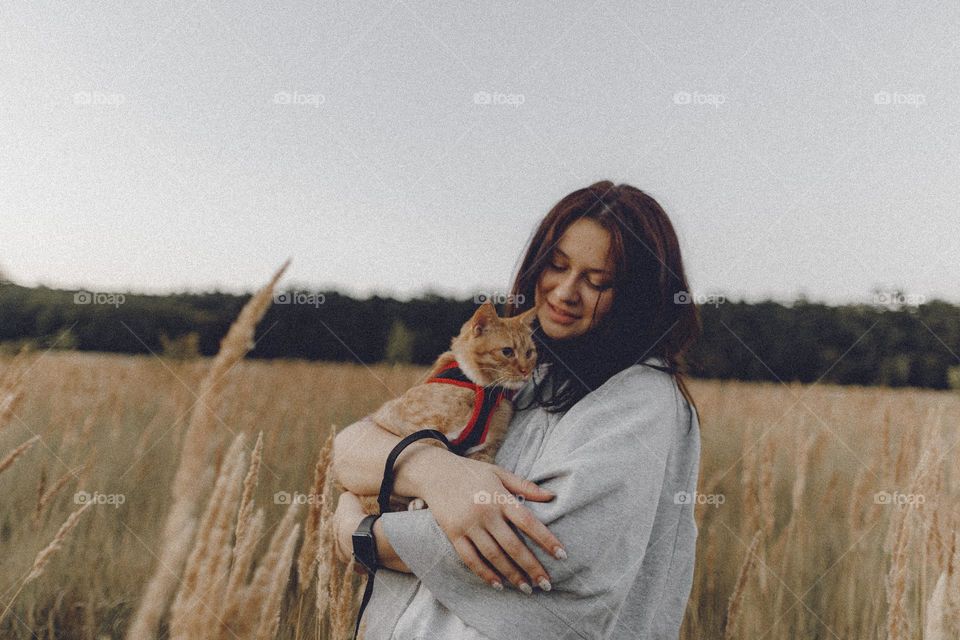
{"x": 396, "y": 147}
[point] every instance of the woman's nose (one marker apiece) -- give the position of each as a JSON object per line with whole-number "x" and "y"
{"x": 567, "y": 289}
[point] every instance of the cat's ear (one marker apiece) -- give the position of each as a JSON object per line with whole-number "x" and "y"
{"x": 527, "y": 316}
{"x": 482, "y": 317}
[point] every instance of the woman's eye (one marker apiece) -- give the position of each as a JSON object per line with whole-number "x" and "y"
{"x": 595, "y": 287}
{"x": 507, "y": 351}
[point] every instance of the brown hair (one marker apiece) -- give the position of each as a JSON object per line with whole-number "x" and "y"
{"x": 652, "y": 313}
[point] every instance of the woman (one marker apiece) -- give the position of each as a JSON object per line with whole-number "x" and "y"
{"x": 606, "y": 429}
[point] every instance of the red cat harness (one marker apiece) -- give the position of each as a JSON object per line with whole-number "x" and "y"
{"x": 474, "y": 435}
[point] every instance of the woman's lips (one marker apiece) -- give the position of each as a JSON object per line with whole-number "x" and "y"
{"x": 560, "y": 317}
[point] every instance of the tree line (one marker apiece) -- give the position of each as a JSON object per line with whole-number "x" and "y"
{"x": 866, "y": 344}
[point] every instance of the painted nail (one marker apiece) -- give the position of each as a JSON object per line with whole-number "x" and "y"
{"x": 497, "y": 585}
{"x": 545, "y": 584}
{"x": 526, "y": 588}
{"x": 559, "y": 553}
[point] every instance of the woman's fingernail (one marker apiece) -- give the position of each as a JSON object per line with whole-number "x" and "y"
{"x": 559, "y": 553}
{"x": 497, "y": 585}
{"x": 545, "y": 584}
{"x": 526, "y": 588}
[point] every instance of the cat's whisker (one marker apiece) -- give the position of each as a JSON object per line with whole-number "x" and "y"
{"x": 498, "y": 380}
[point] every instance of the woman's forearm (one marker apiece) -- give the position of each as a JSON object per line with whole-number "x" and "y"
{"x": 386, "y": 556}
{"x": 360, "y": 452}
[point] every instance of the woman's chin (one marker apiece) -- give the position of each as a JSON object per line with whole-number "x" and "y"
{"x": 558, "y": 332}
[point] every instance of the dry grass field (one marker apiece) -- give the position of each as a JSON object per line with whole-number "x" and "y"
{"x": 824, "y": 512}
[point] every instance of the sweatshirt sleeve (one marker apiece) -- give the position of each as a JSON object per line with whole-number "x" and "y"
{"x": 605, "y": 460}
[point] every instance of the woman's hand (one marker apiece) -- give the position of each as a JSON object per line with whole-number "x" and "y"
{"x": 455, "y": 489}
{"x": 473, "y": 503}
{"x": 346, "y": 519}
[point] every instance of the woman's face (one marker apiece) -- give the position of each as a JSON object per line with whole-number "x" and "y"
{"x": 577, "y": 276}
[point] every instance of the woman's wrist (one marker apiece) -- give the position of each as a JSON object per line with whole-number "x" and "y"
{"x": 386, "y": 555}
{"x": 347, "y": 519}
{"x": 348, "y": 525}
{"x": 415, "y": 471}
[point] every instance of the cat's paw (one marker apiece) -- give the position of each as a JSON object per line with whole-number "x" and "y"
{"x": 415, "y": 504}
{"x": 370, "y": 504}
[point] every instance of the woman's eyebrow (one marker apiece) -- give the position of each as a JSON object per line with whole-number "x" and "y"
{"x": 557, "y": 249}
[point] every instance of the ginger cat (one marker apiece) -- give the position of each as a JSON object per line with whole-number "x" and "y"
{"x": 468, "y": 393}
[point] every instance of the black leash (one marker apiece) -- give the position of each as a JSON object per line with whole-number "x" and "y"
{"x": 386, "y": 488}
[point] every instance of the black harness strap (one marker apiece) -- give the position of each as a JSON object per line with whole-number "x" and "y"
{"x": 452, "y": 373}
{"x": 474, "y": 433}
{"x": 386, "y": 488}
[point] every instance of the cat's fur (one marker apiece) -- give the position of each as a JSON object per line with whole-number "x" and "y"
{"x": 478, "y": 350}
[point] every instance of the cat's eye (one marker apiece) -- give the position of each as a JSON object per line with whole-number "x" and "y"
{"x": 507, "y": 351}
{"x": 529, "y": 352}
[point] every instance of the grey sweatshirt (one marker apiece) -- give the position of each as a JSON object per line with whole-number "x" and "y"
{"x": 623, "y": 464}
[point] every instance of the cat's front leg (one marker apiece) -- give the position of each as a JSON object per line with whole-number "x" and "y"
{"x": 497, "y": 433}
{"x": 369, "y": 504}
